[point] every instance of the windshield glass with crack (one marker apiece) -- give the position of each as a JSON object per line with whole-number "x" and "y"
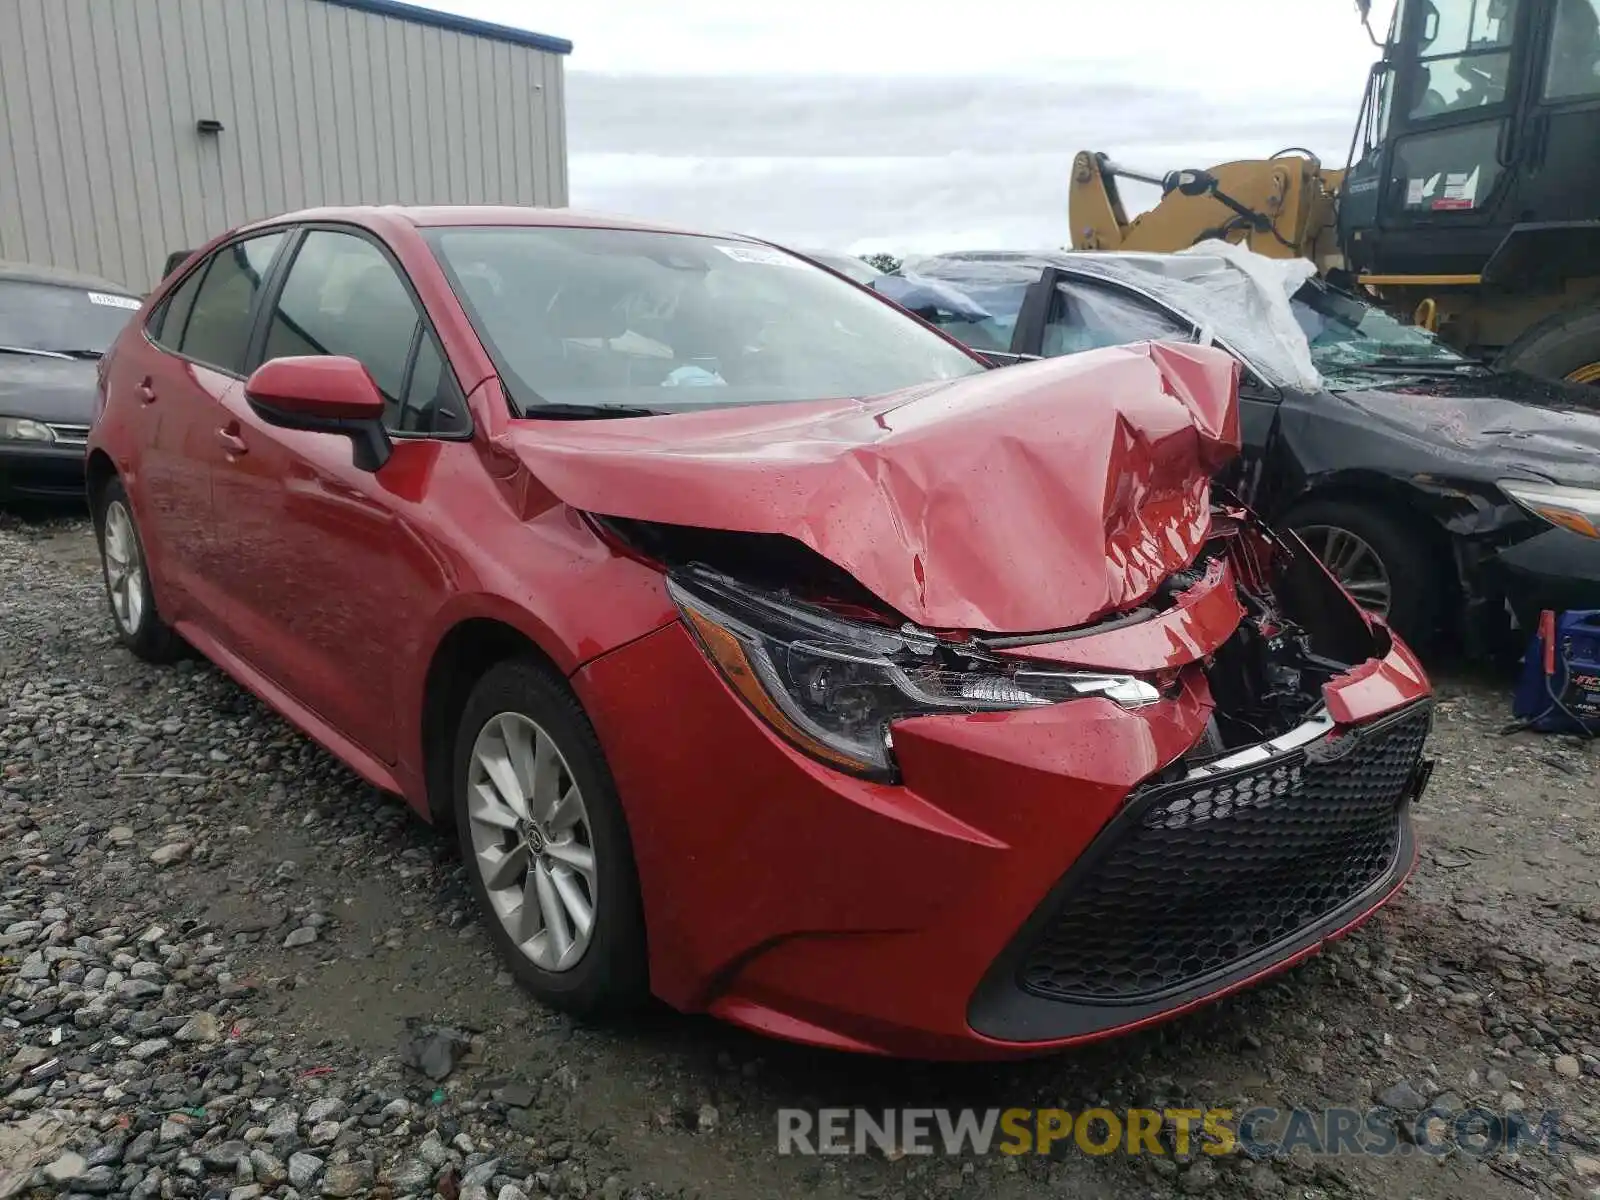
{"x": 62, "y": 320}
{"x": 667, "y": 322}
{"x": 1349, "y": 339}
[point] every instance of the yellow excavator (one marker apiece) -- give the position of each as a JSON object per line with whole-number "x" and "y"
{"x": 1470, "y": 203}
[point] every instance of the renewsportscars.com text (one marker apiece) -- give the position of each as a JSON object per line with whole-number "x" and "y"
{"x": 1257, "y": 1132}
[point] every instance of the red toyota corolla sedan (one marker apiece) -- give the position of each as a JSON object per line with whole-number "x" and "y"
{"x": 765, "y": 648}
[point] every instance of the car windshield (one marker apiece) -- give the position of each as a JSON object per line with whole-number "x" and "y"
{"x": 1349, "y": 337}
{"x": 665, "y": 322}
{"x": 64, "y": 320}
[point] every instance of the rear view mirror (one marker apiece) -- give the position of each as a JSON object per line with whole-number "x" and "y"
{"x": 323, "y": 394}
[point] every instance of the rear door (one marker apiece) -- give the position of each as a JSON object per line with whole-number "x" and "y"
{"x": 194, "y": 356}
{"x": 323, "y": 565}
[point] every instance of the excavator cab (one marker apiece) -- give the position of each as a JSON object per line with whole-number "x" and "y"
{"x": 1475, "y": 152}
{"x": 1471, "y": 199}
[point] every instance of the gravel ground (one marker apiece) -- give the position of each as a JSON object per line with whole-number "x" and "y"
{"x": 228, "y": 968}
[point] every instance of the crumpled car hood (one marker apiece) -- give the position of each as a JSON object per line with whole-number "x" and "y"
{"x": 1023, "y": 499}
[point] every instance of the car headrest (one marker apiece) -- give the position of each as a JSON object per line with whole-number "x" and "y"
{"x": 586, "y": 307}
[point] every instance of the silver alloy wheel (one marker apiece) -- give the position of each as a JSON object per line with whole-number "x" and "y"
{"x": 1353, "y": 563}
{"x": 531, "y": 841}
{"x": 124, "y": 568}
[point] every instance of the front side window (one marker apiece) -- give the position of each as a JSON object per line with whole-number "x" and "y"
{"x": 433, "y": 403}
{"x": 1086, "y": 317}
{"x": 61, "y": 320}
{"x": 617, "y": 318}
{"x": 343, "y": 296}
{"x": 1574, "y": 69}
{"x": 1447, "y": 170}
{"x": 217, "y": 332}
{"x": 1382, "y": 110}
{"x": 1464, "y": 49}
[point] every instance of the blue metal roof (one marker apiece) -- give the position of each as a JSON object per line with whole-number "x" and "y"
{"x": 444, "y": 20}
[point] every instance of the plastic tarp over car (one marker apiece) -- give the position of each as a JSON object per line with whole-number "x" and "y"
{"x": 1238, "y": 295}
{"x": 1025, "y": 499}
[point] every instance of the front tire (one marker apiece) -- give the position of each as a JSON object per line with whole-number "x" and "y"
{"x": 1380, "y": 561}
{"x": 546, "y": 844}
{"x": 1565, "y": 345}
{"x": 127, "y": 576}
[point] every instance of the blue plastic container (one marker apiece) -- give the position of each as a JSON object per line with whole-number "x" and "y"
{"x": 1563, "y": 661}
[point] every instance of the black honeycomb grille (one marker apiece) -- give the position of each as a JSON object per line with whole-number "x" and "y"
{"x": 1200, "y": 875}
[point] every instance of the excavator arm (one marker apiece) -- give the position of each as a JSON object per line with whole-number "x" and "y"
{"x": 1282, "y": 207}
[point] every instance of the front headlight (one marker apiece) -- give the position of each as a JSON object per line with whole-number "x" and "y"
{"x": 21, "y": 429}
{"x": 1577, "y": 509}
{"x": 832, "y": 686}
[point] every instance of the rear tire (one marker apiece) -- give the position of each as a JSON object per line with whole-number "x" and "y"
{"x": 126, "y": 571}
{"x": 1565, "y": 345}
{"x": 541, "y": 850}
{"x": 1349, "y": 537}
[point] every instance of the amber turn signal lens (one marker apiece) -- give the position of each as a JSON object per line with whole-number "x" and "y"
{"x": 729, "y": 654}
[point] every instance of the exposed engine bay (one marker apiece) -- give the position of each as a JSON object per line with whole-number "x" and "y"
{"x": 832, "y": 666}
{"x": 1300, "y": 632}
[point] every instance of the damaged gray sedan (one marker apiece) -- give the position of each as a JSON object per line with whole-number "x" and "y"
{"x": 1452, "y": 499}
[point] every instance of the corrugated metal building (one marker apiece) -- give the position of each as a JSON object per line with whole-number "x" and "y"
{"x": 110, "y": 151}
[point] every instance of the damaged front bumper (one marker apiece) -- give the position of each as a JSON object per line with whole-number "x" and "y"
{"x": 1027, "y": 875}
{"x": 1205, "y": 882}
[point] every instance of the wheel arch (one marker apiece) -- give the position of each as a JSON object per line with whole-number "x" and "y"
{"x": 99, "y": 470}
{"x": 1417, "y": 512}
{"x": 463, "y": 655}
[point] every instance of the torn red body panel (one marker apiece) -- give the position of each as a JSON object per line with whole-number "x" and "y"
{"x": 1200, "y": 620}
{"x": 1034, "y": 498}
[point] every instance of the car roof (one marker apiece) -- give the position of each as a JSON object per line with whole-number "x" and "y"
{"x": 434, "y": 216}
{"x": 20, "y": 272}
{"x": 1091, "y": 261}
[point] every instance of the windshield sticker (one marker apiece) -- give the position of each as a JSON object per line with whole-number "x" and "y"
{"x": 1460, "y": 190}
{"x": 764, "y": 255}
{"x": 108, "y": 301}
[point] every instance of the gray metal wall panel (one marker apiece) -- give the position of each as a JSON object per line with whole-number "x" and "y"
{"x": 102, "y": 169}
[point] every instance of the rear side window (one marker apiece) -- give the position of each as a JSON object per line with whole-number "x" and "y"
{"x": 167, "y": 327}
{"x": 218, "y": 329}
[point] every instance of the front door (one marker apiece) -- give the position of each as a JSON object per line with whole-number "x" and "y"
{"x": 327, "y": 572}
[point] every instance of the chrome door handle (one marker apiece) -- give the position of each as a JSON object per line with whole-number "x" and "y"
{"x": 231, "y": 442}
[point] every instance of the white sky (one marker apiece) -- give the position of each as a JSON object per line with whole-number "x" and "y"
{"x": 1296, "y": 43}
{"x": 780, "y": 153}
